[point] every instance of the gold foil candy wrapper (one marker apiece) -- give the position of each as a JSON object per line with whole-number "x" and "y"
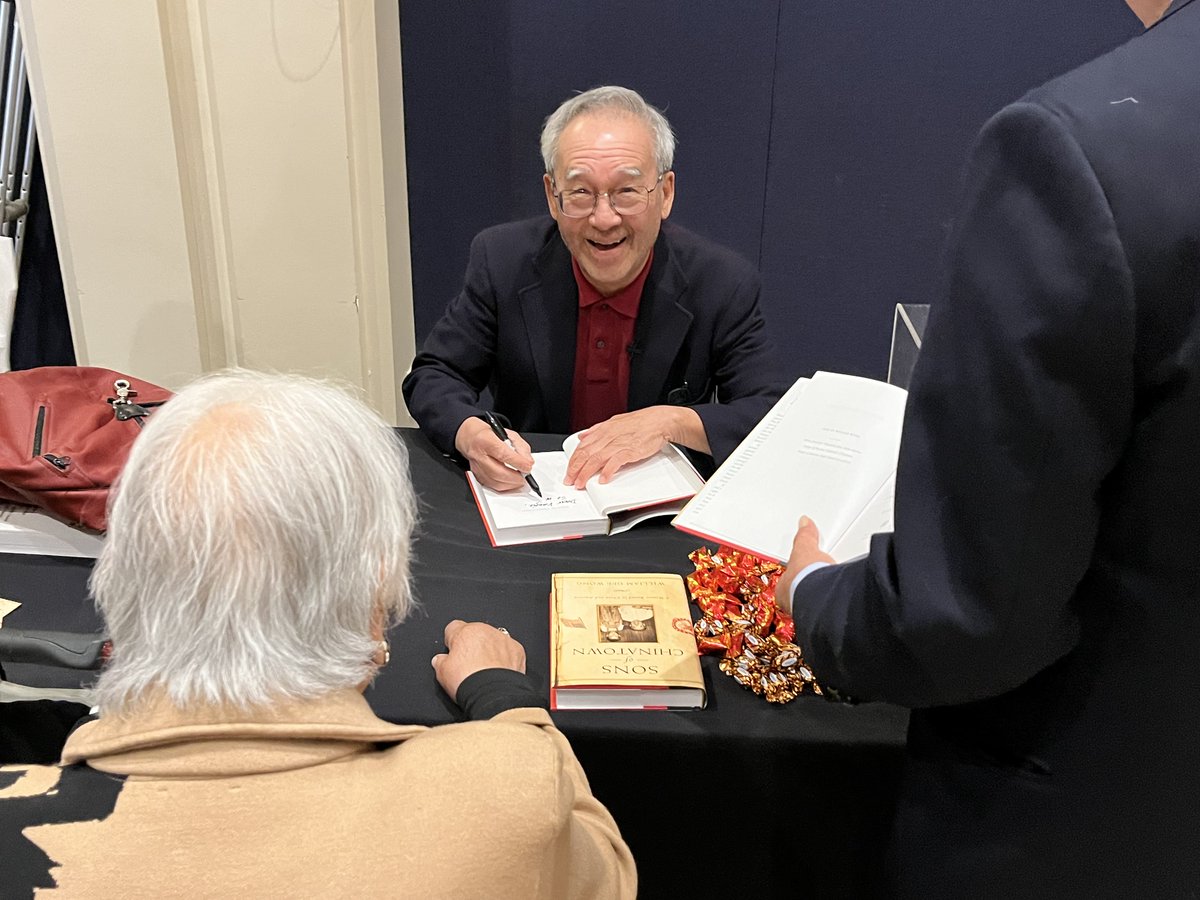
{"x": 736, "y": 594}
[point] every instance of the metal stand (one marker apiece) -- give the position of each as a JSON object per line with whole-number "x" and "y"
{"x": 18, "y": 135}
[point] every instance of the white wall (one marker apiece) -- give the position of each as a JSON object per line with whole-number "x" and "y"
{"x": 217, "y": 178}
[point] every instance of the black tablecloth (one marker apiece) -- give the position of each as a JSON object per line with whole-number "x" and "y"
{"x": 742, "y": 795}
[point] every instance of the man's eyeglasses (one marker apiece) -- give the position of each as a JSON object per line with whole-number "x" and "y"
{"x": 579, "y": 203}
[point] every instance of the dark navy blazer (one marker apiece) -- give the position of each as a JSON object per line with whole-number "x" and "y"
{"x": 699, "y": 337}
{"x": 1039, "y": 602}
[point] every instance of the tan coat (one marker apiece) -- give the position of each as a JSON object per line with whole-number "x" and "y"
{"x": 302, "y": 802}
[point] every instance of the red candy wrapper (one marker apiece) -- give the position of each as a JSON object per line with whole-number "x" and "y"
{"x": 736, "y": 593}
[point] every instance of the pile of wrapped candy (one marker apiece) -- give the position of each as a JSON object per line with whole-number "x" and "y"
{"x": 736, "y": 593}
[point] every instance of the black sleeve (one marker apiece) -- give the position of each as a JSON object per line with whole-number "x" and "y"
{"x": 489, "y": 692}
{"x": 457, "y": 357}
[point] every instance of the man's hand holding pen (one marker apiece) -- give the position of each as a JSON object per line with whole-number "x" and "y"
{"x": 501, "y": 458}
{"x": 500, "y": 464}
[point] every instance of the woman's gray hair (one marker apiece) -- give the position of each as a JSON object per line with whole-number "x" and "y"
{"x": 609, "y": 98}
{"x": 259, "y": 531}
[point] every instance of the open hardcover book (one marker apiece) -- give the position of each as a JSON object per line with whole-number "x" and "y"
{"x": 828, "y": 450}
{"x": 622, "y": 641}
{"x": 658, "y": 486}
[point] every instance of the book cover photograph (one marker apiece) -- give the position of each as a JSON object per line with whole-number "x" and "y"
{"x": 622, "y": 641}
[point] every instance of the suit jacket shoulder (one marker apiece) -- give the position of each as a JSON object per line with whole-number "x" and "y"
{"x": 694, "y": 252}
{"x": 510, "y": 249}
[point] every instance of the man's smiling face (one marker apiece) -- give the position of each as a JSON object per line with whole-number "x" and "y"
{"x": 602, "y": 152}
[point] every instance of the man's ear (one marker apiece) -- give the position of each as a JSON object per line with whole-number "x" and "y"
{"x": 668, "y": 193}
{"x": 550, "y": 201}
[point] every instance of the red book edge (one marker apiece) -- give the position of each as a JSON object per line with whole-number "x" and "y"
{"x": 722, "y": 541}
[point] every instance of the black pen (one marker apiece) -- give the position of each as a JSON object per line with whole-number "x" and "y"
{"x": 498, "y": 430}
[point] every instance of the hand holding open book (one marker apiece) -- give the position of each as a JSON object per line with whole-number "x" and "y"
{"x": 656, "y": 486}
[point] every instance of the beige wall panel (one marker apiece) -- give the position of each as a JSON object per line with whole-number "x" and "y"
{"x": 227, "y": 184}
{"x": 108, "y": 149}
{"x": 279, "y": 123}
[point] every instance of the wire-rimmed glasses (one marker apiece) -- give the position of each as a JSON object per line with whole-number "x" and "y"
{"x": 629, "y": 200}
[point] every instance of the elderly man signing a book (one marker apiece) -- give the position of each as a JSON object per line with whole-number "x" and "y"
{"x": 600, "y": 317}
{"x": 258, "y": 550}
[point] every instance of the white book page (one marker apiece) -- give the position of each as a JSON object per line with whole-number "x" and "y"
{"x": 824, "y": 450}
{"x": 876, "y": 517}
{"x": 33, "y": 531}
{"x": 628, "y": 698}
{"x": 559, "y": 502}
{"x": 667, "y": 475}
{"x": 726, "y": 499}
{"x": 623, "y": 520}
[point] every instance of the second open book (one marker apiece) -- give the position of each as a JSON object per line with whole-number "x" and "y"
{"x": 657, "y": 486}
{"x": 828, "y": 450}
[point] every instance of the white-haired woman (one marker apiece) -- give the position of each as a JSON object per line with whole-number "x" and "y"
{"x": 258, "y": 549}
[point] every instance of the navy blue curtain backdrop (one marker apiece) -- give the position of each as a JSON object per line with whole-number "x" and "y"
{"x": 823, "y": 141}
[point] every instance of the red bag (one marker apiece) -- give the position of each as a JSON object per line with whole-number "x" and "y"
{"x": 65, "y": 433}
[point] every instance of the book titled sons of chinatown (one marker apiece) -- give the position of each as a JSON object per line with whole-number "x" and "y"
{"x": 622, "y": 641}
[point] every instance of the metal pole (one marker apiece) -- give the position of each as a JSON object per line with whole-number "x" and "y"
{"x": 8, "y": 137}
{"x": 26, "y": 178}
{"x": 6, "y": 21}
{"x": 6, "y": 15}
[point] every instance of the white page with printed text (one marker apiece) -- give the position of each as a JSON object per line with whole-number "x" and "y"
{"x": 827, "y": 450}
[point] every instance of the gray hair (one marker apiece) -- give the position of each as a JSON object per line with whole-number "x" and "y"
{"x": 260, "y": 528}
{"x": 613, "y": 99}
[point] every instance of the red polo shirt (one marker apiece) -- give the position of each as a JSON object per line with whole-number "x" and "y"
{"x": 600, "y": 388}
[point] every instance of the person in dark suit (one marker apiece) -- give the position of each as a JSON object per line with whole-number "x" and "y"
{"x": 601, "y": 317}
{"x": 1038, "y": 604}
